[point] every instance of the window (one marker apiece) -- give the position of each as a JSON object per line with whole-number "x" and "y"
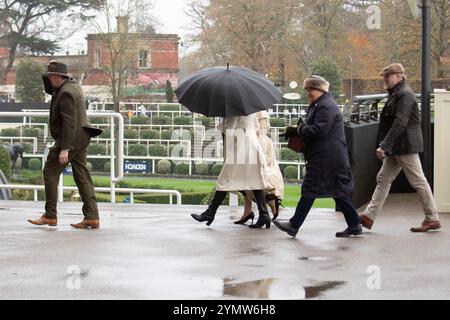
{"x": 143, "y": 58}
{"x": 97, "y": 58}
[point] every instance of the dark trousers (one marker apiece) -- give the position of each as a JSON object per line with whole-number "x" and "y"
{"x": 345, "y": 203}
{"x": 83, "y": 180}
{"x": 260, "y": 199}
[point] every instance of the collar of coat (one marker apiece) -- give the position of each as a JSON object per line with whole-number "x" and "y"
{"x": 398, "y": 86}
{"x": 322, "y": 97}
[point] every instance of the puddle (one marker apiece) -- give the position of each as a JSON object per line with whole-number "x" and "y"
{"x": 318, "y": 290}
{"x": 314, "y": 258}
{"x": 275, "y": 289}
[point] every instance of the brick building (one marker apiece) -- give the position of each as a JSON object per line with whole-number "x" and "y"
{"x": 153, "y": 59}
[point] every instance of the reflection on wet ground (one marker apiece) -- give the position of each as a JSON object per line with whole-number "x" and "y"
{"x": 314, "y": 258}
{"x": 276, "y": 289}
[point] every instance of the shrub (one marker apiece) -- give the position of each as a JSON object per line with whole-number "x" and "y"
{"x": 169, "y": 107}
{"x": 289, "y": 155}
{"x": 5, "y": 162}
{"x": 161, "y": 120}
{"x": 166, "y": 134}
{"x": 130, "y": 134}
{"x": 140, "y": 120}
{"x": 39, "y": 120}
{"x": 182, "y": 121}
{"x": 207, "y": 200}
{"x": 98, "y": 164}
{"x": 10, "y": 132}
{"x": 27, "y": 147}
{"x": 182, "y": 168}
{"x": 89, "y": 166}
{"x": 149, "y": 134}
{"x": 35, "y": 164}
{"x": 164, "y": 166}
{"x": 277, "y": 122}
{"x": 107, "y": 167}
{"x": 97, "y": 149}
{"x": 106, "y": 134}
{"x": 216, "y": 168}
{"x": 31, "y": 132}
{"x": 137, "y": 150}
{"x": 202, "y": 168}
{"x": 98, "y": 120}
{"x": 290, "y": 172}
{"x": 156, "y": 150}
{"x": 206, "y": 122}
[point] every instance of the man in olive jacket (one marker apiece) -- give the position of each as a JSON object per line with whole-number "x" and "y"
{"x": 69, "y": 129}
{"x": 399, "y": 144}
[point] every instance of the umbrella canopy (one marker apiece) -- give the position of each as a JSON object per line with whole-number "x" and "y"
{"x": 227, "y": 91}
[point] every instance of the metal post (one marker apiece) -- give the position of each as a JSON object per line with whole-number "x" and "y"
{"x": 426, "y": 87}
{"x": 60, "y": 189}
{"x": 113, "y": 163}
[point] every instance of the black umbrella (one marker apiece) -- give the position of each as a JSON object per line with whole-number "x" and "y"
{"x": 227, "y": 91}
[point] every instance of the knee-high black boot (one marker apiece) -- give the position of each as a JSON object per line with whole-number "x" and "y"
{"x": 210, "y": 213}
{"x": 264, "y": 217}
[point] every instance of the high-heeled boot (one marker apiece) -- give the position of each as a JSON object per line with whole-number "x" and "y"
{"x": 264, "y": 217}
{"x": 210, "y": 213}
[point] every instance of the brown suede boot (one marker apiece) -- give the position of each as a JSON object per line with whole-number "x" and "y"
{"x": 427, "y": 226}
{"x": 87, "y": 224}
{"x": 366, "y": 221}
{"x": 43, "y": 221}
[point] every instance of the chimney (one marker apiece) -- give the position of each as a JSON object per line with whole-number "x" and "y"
{"x": 122, "y": 24}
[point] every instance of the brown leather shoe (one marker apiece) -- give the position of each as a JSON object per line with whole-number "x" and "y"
{"x": 43, "y": 221}
{"x": 366, "y": 221}
{"x": 427, "y": 226}
{"x": 87, "y": 224}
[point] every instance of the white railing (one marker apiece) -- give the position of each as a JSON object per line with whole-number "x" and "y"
{"x": 12, "y": 139}
{"x": 29, "y": 125}
{"x": 129, "y": 191}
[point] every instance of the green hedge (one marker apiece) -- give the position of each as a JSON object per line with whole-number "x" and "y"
{"x": 182, "y": 168}
{"x": 140, "y": 120}
{"x": 166, "y": 134}
{"x": 137, "y": 150}
{"x": 150, "y": 134}
{"x": 107, "y": 167}
{"x": 39, "y": 119}
{"x": 206, "y": 122}
{"x": 98, "y": 164}
{"x": 289, "y": 155}
{"x": 98, "y": 121}
{"x": 5, "y": 162}
{"x": 207, "y": 200}
{"x": 35, "y": 164}
{"x": 130, "y": 134}
{"x": 156, "y": 150}
{"x": 182, "y": 121}
{"x": 216, "y": 168}
{"x": 97, "y": 149}
{"x": 31, "y": 132}
{"x": 202, "y": 168}
{"x": 10, "y": 132}
{"x": 161, "y": 120}
{"x": 168, "y": 107}
{"x": 27, "y": 147}
{"x": 106, "y": 134}
{"x": 164, "y": 167}
{"x": 290, "y": 172}
{"x": 277, "y": 122}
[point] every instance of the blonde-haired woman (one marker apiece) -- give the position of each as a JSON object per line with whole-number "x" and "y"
{"x": 275, "y": 182}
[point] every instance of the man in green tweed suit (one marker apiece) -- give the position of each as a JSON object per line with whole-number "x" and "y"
{"x": 69, "y": 128}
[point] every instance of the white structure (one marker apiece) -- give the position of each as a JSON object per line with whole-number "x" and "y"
{"x": 442, "y": 150}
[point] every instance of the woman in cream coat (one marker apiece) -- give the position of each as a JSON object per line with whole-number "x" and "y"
{"x": 245, "y": 168}
{"x": 275, "y": 182}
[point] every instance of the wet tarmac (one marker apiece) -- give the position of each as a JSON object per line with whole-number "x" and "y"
{"x": 160, "y": 252}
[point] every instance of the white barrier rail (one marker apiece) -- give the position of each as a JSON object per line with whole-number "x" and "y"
{"x": 12, "y": 139}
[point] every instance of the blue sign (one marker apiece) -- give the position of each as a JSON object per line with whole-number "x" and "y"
{"x": 68, "y": 171}
{"x": 136, "y": 167}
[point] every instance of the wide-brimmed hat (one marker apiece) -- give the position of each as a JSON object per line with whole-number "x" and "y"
{"x": 393, "y": 68}
{"x": 316, "y": 82}
{"x": 57, "y": 68}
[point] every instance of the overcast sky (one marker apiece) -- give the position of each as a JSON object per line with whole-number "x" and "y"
{"x": 169, "y": 13}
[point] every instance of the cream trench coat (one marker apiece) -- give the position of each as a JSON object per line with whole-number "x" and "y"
{"x": 245, "y": 166}
{"x": 274, "y": 177}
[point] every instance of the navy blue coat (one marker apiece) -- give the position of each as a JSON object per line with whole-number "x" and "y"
{"x": 328, "y": 170}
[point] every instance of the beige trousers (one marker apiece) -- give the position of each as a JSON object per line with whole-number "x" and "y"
{"x": 410, "y": 164}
